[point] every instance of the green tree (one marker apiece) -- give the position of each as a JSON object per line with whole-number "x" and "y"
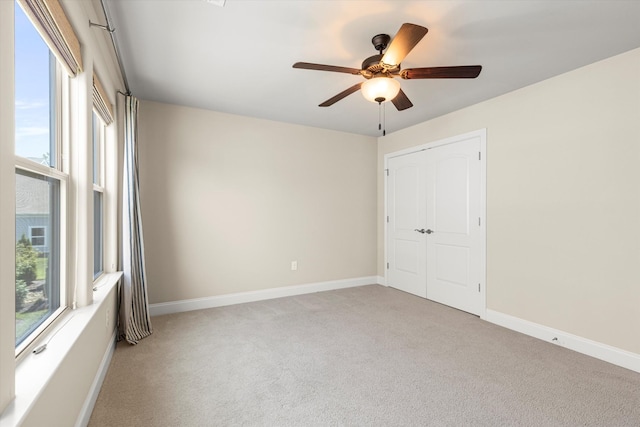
{"x": 21, "y": 294}
{"x": 26, "y": 261}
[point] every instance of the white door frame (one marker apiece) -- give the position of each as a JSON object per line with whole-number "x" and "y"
{"x": 482, "y": 134}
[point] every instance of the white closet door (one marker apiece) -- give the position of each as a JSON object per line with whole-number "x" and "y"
{"x": 453, "y": 214}
{"x": 406, "y": 198}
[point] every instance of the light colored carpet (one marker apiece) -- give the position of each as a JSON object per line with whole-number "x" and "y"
{"x": 367, "y": 356}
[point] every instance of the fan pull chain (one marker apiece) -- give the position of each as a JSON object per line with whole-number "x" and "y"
{"x": 384, "y": 119}
{"x": 382, "y": 125}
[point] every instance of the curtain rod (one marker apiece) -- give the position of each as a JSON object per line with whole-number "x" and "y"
{"x": 111, "y": 31}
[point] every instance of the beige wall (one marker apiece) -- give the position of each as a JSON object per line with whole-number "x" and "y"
{"x": 229, "y": 201}
{"x": 563, "y": 198}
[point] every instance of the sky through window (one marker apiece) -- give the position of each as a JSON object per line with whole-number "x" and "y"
{"x": 32, "y": 86}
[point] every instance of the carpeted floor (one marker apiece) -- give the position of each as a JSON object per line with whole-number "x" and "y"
{"x": 366, "y": 356}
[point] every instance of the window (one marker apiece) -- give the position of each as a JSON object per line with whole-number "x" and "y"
{"x": 37, "y": 266}
{"x": 98, "y": 195}
{"x": 40, "y": 184}
{"x": 37, "y": 236}
{"x": 98, "y": 232}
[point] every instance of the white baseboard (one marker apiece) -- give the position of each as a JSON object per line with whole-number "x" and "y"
{"x": 90, "y": 401}
{"x": 582, "y": 345}
{"x": 251, "y": 296}
{"x": 380, "y": 280}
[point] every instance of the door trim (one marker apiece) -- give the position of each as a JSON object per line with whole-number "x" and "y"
{"x": 482, "y": 134}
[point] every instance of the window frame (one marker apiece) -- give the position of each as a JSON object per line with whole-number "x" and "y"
{"x": 59, "y": 113}
{"x": 98, "y": 185}
{"x": 31, "y": 339}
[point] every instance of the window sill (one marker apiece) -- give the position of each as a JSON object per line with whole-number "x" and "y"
{"x": 34, "y": 372}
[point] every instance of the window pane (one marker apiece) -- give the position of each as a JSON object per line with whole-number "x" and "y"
{"x": 37, "y": 236}
{"x": 34, "y": 93}
{"x": 37, "y": 266}
{"x": 97, "y": 234}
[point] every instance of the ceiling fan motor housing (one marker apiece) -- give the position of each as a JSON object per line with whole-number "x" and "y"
{"x": 372, "y": 64}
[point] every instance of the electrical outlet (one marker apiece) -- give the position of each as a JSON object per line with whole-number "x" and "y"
{"x": 294, "y": 265}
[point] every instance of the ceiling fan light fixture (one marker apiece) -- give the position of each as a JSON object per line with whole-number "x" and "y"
{"x": 380, "y": 89}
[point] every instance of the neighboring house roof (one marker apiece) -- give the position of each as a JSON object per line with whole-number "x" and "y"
{"x": 41, "y": 160}
{"x": 32, "y": 195}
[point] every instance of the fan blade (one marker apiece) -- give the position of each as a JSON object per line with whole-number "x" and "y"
{"x": 461, "y": 72}
{"x": 341, "y": 95}
{"x": 322, "y": 67}
{"x": 407, "y": 38}
{"x": 401, "y": 101}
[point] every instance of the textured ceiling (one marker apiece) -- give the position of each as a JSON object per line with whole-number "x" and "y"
{"x": 237, "y": 58}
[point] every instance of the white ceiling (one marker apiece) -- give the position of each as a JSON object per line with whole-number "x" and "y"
{"x": 237, "y": 58}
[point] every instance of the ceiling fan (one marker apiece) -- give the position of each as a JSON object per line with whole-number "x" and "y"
{"x": 381, "y": 69}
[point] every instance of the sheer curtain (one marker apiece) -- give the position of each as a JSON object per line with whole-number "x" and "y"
{"x": 135, "y": 322}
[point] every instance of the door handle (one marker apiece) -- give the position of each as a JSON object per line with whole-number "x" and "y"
{"x": 423, "y": 231}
